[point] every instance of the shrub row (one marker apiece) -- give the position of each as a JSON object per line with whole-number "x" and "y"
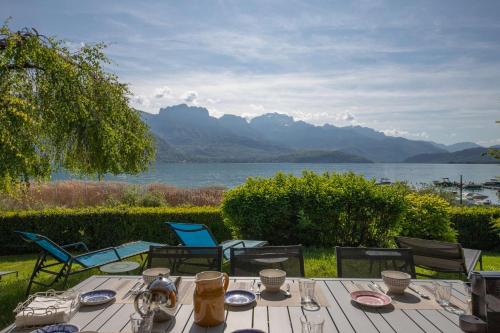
{"x": 103, "y": 227}
{"x": 477, "y": 227}
{"x": 315, "y": 210}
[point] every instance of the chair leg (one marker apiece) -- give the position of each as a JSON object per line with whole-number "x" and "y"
{"x": 66, "y": 275}
{"x": 36, "y": 269}
{"x": 481, "y": 261}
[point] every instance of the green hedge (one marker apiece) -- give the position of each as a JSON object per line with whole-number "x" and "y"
{"x": 477, "y": 227}
{"x": 315, "y": 210}
{"x": 103, "y": 227}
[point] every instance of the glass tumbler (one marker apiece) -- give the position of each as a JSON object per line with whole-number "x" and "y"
{"x": 306, "y": 288}
{"x": 312, "y": 324}
{"x": 141, "y": 324}
{"x": 442, "y": 291}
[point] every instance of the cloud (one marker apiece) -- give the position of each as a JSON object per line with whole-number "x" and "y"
{"x": 190, "y": 96}
{"x": 163, "y": 92}
{"x": 407, "y": 134}
{"x": 140, "y": 101}
{"x": 346, "y": 116}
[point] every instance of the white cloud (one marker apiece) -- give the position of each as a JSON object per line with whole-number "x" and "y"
{"x": 345, "y": 116}
{"x": 163, "y": 92}
{"x": 140, "y": 101}
{"x": 407, "y": 134}
{"x": 190, "y": 97}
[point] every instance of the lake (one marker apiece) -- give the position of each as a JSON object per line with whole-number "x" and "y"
{"x": 232, "y": 174}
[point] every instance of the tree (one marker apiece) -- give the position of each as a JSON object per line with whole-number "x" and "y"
{"x": 61, "y": 109}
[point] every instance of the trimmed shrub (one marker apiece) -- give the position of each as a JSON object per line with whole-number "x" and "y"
{"x": 103, "y": 227}
{"x": 427, "y": 216}
{"x": 477, "y": 227}
{"x": 321, "y": 210}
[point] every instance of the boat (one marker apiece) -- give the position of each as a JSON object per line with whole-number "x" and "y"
{"x": 472, "y": 186}
{"x": 444, "y": 182}
{"x": 484, "y": 202}
{"x": 384, "y": 181}
{"x": 493, "y": 184}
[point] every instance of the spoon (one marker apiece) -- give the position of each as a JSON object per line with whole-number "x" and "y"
{"x": 258, "y": 291}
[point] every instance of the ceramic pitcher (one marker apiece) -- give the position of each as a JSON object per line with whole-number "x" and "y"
{"x": 208, "y": 298}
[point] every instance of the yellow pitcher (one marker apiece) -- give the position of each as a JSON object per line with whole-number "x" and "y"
{"x": 208, "y": 298}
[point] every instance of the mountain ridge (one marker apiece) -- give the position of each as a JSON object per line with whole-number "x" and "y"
{"x": 192, "y": 134}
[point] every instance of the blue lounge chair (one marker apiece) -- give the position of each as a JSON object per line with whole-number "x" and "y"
{"x": 192, "y": 234}
{"x": 65, "y": 260}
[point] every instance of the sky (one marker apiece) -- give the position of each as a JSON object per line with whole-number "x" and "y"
{"x": 424, "y": 70}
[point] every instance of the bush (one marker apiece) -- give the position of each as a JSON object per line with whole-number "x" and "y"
{"x": 427, "y": 216}
{"x": 321, "y": 210}
{"x": 478, "y": 227}
{"x": 103, "y": 227}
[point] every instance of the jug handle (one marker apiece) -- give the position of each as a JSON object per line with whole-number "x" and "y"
{"x": 226, "y": 281}
{"x": 173, "y": 299}
{"x": 136, "y": 303}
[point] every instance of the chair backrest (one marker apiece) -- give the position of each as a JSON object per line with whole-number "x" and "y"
{"x": 46, "y": 245}
{"x": 192, "y": 234}
{"x": 435, "y": 255}
{"x": 186, "y": 260}
{"x": 362, "y": 262}
{"x": 250, "y": 261}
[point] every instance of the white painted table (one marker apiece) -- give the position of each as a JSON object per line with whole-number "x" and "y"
{"x": 341, "y": 315}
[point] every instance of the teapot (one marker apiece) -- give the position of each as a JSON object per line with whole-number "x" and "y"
{"x": 159, "y": 298}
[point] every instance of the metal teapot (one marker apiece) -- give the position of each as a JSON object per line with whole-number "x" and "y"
{"x": 160, "y": 298}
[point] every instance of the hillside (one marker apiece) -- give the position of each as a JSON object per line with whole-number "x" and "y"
{"x": 466, "y": 156}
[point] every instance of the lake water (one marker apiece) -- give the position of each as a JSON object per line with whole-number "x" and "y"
{"x": 232, "y": 174}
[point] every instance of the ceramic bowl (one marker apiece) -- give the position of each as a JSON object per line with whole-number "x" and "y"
{"x": 272, "y": 279}
{"x": 149, "y": 275}
{"x": 396, "y": 281}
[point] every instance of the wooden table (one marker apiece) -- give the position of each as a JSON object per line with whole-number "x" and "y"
{"x": 340, "y": 315}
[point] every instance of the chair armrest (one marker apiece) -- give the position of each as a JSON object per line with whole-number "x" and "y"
{"x": 102, "y": 250}
{"x": 233, "y": 245}
{"x": 76, "y": 245}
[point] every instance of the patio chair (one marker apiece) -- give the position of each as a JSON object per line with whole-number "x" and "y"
{"x": 65, "y": 260}
{"x": 362, "y": 262}
{"x": 250, "y": 261}
{"x": 192, "y": 234}
{"x": 186, "y": 260}
{"x": 442, "y": 256}
{"x": 2, "y": 273}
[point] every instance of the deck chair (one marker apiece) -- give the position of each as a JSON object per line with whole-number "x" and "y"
{"x": 442, "y": 256}
{"x": 65, "y": 260}
{"x": 367, "y": 262}
{"x": 192, "y": 234}
{"x": 250, "y": 261}
{"x": 186, "y": 260}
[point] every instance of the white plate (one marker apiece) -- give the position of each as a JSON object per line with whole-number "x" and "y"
{"x": 97, "y": 297}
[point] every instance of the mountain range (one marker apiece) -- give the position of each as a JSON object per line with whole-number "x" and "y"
{"x": 189, "y": 134}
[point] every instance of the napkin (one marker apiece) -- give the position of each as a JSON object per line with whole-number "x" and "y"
{"x": 46, "y": 310}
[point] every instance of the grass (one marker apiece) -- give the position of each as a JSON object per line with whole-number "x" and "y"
{"x": 318, "y": 263}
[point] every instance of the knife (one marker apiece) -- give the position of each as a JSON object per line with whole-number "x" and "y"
{"x": 421, "y": 294}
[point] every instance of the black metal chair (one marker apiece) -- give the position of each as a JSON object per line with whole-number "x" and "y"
{"x": 250, "y": 261}
{"x": 186, "y": 260}
{"x": 442, "y": 256}
{"x": 362, "y": 262}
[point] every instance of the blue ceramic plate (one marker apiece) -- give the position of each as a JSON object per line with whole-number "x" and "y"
{"x": 249, "y": 330}
{"x": 239, "y": 297}
{"x": 58, "y": 328}
{"x": 97, "y": 297}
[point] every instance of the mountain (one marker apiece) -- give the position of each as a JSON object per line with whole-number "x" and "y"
{"x": 472, "y": 155}
{"x": 457, "y": 146}
{"x": 357, "y": 140}
{"x": 188, "y": 133}
{"x": 313, "y": 156}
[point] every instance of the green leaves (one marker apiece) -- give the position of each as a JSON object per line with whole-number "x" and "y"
{"x": 61, "y": 109}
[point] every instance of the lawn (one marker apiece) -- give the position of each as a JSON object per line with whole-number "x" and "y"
{"x": 318, "y": 263}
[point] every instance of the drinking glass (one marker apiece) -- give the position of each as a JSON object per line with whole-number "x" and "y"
{"x": 306, "y": 288}
{"x": 312, "y": 324}
{"x": 141, "y": 324}
{"x": 442, "y": 291}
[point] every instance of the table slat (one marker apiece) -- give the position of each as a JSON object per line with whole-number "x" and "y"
{"x": 279, "y": 322}
{"x": 440, "y": 321}
{"x": 260, "y": 320}
{"x": 421, "y": 321}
